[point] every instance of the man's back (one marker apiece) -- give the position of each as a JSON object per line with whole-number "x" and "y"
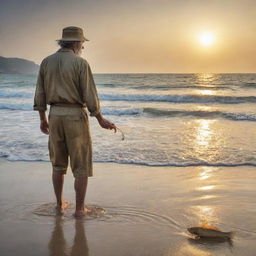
{"x": 61, "y": 74}
{"x": 65, "y": 78}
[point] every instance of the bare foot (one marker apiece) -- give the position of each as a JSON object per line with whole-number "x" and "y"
{"x": 79, "y": 214}
{"x": 61, "y": 208}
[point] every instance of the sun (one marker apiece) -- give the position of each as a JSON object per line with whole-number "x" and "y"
{"x": 206, "y": 38}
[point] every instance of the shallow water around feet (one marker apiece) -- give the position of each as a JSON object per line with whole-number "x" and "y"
{"x": 49, "y": 209}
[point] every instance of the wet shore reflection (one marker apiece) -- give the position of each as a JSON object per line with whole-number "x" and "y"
{"x": 58, "y": 245}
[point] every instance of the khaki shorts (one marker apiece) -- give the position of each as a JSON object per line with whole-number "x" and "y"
{"x": 69, "y": 137}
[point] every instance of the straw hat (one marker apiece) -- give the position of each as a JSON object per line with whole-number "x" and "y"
{"x": 72, "y": 34}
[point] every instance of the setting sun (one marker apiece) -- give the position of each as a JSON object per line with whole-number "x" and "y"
{"x": 206, "y": 39}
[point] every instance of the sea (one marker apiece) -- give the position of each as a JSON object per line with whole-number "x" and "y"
{"x": 167, "y": 119}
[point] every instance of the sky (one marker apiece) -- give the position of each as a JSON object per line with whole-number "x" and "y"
{"x": 137, "y": 36}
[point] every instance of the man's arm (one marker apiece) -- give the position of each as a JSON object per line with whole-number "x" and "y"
{"x": 40, "y": 97}
{"x": 40, "y": 101}
{"x": 90, "y": 97}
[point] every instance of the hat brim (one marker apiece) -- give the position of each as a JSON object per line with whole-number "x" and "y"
{"x": 73, "y": 39}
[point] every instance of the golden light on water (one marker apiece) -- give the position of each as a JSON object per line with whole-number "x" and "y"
{"x": 205, "y": 173}
{"x": 190, "y": 249}
{"x": 204, "y": 133}
{"x": 204, "y": 188}
{"x": 205, "y": 139}
{"x": 204, "y": 107}
{"x": 207, "y": 197}
{"x": 206, "y": 92}
{"x": 206, "y": 213}
{"x": 205, "y": 78}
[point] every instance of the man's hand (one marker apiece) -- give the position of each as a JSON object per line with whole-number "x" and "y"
{"x": 44, "y": 126}
{"x": 104, "y": 123}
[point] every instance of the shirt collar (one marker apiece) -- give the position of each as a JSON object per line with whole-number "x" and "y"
{"x": 65, "y": 50}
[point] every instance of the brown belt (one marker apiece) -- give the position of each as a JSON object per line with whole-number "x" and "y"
{"x": 72, "y": 105}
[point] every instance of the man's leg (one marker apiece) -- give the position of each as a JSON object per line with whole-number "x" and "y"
{"x": 58, "y": 181}
{"x": 80, "y": 151}
{"x": 80, "y": 186}
{"x": 59, "y": 158}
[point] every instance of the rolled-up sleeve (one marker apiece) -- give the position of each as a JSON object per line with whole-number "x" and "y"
{"x": 89, "y": 91}
{"x": 40, "y": 97}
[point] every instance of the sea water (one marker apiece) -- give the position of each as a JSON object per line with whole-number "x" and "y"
{"x": 167, "y": 119}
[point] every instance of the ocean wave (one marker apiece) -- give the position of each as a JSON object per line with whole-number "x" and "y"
{"x": 179, "y": 98}
{"x": 250, "y": 85}
{"x": 220, "y": 164}
{"x": 15, "y": 94}
{"x": 122, "y": 112}
{"x": 110, "y": 85}
{"x": 200, "y": 113}
{"x": 164, "y": 86}
{"x": 15, "y": 158}
{"x": 154, "y": 112}
{"x": 16, "y": 106}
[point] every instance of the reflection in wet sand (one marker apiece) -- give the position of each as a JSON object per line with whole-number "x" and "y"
{"x": 80, "y": 246}
{"x": 205, "y": 215}
{"x": 190, "y": 250}
{"x": 58, "y": 245}
{"x": 204, "y": 197}
{"x": 205, "y": 188}
{"x": 205, "y": 172}
{"x": 206, "y": 176}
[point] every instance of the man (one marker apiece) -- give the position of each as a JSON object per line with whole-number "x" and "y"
{"x": 65, "y": 82}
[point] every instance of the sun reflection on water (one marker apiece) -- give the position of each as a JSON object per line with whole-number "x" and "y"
{"x": 204, "y": 198}
{"x": 206, "y": 92}
{"x": 204, "y": 133}
{"x": 203, "y": 140}
{"x": 205, "y": 172}
{"x": 205, "y": 108}
{"x": 206, "y": 214}
{"x": 189, "y": 249}
{"x": 205, "y": 78}
{"x": 205, "y": 188}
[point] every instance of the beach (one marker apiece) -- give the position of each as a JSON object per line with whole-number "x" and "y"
{"x": 168, "y": 93}
{"x": 147, "y": 210}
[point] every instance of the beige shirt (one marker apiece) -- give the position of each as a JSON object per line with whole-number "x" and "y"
{"x": 65, "y": 78}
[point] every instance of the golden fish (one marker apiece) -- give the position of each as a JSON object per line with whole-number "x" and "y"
{"x": 210, "y": 232}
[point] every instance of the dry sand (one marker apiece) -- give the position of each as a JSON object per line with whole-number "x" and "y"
{"x": 147, "y": 211}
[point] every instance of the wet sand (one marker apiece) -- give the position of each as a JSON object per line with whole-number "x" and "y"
{"x": 141, "y": 211}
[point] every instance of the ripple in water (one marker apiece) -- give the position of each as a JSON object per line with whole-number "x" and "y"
{"x": 120, "y": 214}
{"x": 136, "y": 215}
{"x": 48, "y": 209}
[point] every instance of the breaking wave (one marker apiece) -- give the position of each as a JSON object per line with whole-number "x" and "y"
{"x": 219, "y": 99}
{"x": 151, "y": 112}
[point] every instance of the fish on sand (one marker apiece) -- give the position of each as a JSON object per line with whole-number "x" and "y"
{"x": 206, "y": 231}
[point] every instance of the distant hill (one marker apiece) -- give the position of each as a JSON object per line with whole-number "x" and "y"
{"x": 17, "y": 66}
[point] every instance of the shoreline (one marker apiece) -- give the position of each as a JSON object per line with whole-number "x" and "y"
{"x": 2, "y": 158}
